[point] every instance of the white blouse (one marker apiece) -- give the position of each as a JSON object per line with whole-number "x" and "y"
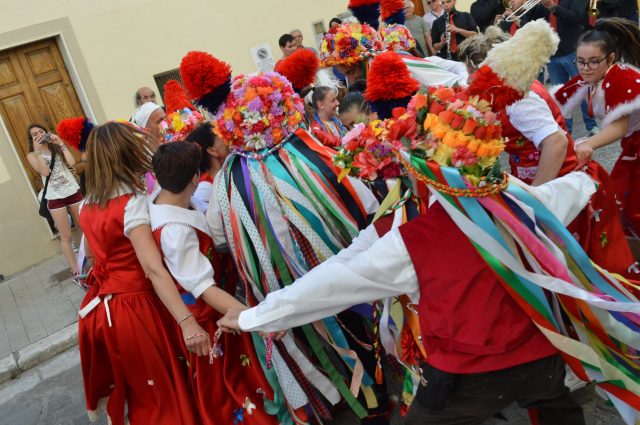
{"x": 62, "y": 183}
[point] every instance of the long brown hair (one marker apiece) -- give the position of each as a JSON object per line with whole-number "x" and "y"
{"x": 118, "y": 154}
{"x": 52, "y": 146}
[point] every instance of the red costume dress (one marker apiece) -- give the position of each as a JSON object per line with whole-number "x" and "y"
{"x": 598, "y": 227}
{"x": 616, "y": 96}
{"x": 130, "y": 352}
{"x": 232, "y": 387}
{"x": 329, "y": 133}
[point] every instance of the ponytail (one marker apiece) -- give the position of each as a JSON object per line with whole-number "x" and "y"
{"x": 616, "y": 35}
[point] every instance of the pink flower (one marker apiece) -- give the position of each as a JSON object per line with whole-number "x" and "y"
{"x": 353, "y": 133}
{"x": 462, "y": 156}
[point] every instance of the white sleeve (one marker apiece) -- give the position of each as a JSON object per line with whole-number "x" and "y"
{"x": 565, "y": 196}
{"x": 532, "y": 117}
{"x": 384, "y": 270}
{"x": 181, "y": 252}
{"x": 136, "y": 213}
{"x": 369, "y": 201}
{"x": 202, "y": 195}
{"x": 214, "y": 218}
{"x": 367, "y": 237}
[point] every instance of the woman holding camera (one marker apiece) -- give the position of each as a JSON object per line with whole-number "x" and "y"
{"x": 63, "y": 193}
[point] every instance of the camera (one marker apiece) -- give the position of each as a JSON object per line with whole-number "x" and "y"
{"x": 46, "y": 138}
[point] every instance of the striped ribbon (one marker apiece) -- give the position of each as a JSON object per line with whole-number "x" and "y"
{"x": 546, "y": 271}
{"x": 276, "y": 206}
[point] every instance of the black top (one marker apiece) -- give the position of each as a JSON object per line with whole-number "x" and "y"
{"x": 571, "y": 16}
{"x": 484, "y": 12}
{"x": 627, "y": 9}
{"x": 462, "y": 20}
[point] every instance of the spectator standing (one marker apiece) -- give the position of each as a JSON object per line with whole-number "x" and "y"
{"x": 435, "y": 11}
{"x": 418, "y": 28}
{"x": 144, "y": 95}
{"x": 461, "y": 24}
{"x": 568, "y": 17}
{"x": 287, "y": 45}
{"x": 297, "y": 37}
{"x": 484, "y": 12}
{"x": 334, "y": 23}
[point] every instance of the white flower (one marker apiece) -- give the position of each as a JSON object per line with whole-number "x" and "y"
{"x": 251, "y": 117}
{"x": 255, "y": 141}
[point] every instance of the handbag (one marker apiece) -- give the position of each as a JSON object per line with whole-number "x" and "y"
{"x": 44, "y": 210}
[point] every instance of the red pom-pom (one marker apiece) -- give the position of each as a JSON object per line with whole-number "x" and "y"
{"x": 202, "y": 73}
{"x": 175, "y": 98}
{"x": 360, "y": 3}
{"x": 299, "y": 68}
{"x": 490, "y": 87}
{"x": 70, "y": 130}
{"x": 390, "y": 7}
{"x": 389, "y": 78}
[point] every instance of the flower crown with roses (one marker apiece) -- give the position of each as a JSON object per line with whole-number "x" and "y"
{"x": 260, "y": 111}
{"x": 349, "y": 44}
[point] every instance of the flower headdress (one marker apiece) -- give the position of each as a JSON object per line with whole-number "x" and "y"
{"x": 397, "y": 37}
{"x": 365, "y": 155}
{"x": 299, "y": 68}
{"x": 366, "y": 11}
{"x": 182, "y": 116}
{"x": 75, "y": 131}
{"x": 260, "y": 112}
{"x": 349, "y": 44}
{"x": 206, "y": 78}
{"x": 389, "y": 84}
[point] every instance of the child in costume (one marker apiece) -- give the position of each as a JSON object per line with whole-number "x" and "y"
{"x": 228, "y": 384}
{"x": 281, "y": 210}
{"x": 130, "y": 351}
{"x": 325, "y": 124}
{"x": 612, "y": 89}
{"x": 541, "y": 148}
{"x": 491, "y": 328}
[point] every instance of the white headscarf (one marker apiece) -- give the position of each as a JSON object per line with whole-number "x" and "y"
{"x": 141, "y": 115}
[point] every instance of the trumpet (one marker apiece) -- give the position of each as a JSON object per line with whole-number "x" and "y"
{"x": 593, "y": 8}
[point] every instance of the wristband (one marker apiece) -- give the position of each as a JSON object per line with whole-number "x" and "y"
{"x": 193, "y": 336}
{"x": 184, "y": 318}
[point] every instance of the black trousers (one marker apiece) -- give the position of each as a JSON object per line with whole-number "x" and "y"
{"x": 477, "y": 397}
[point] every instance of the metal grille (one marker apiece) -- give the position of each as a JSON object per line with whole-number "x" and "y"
{"x": 163, "y": 77}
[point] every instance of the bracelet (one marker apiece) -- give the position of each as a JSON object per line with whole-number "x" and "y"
{"x": 184, "y": 318}
{"x": 193, "y": 336}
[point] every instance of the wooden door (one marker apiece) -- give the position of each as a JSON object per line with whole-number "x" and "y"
{"x": 34, "y": 88}
{"x": 419, "y": 7}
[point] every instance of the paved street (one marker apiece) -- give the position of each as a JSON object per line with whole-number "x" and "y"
{"x": 51, "y": 394}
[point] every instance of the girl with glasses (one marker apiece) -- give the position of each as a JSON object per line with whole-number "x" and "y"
{"x": 612, "y": 88}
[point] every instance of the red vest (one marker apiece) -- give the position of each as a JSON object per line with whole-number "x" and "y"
{"x": 225, "y": 275}
{"x": 523, "y": 154}
{"x": 205, "y": 177}
{"x": 469, "y": 323}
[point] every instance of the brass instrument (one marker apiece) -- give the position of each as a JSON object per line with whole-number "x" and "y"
{"x": 519, "y": 12}
{"x": 593, "y": 8}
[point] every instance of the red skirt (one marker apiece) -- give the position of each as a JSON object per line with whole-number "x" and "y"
{"x": 233, "y": 388}
{"x": 137, "y": 361}
{"x": 626, "y": 180}
{"x": 598, "y": 227}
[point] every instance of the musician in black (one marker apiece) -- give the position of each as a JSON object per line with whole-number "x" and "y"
{"x": 461, "y": 25}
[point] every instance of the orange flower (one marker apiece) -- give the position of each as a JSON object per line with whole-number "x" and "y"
{"x": 420, "y": 101}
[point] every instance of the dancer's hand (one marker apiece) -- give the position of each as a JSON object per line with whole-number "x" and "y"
{"x": 196, "y": 339}
{"x": 229, "y": 322}
{"x": 584, "y": 152}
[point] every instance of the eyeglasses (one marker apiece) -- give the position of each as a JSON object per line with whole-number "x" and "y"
{"x": 431, "y": 1}
{"x": 591, "y": 64}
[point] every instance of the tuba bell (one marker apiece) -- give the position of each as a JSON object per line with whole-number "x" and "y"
{"x": 593, "y": 8}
